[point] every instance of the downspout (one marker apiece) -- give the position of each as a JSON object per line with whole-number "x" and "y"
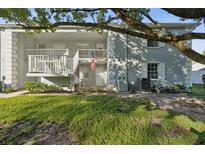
{"x": 108, "y": 70}
{"x": 126, "y": 56}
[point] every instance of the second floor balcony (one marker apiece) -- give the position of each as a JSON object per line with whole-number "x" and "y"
{"x": 60, "y": 62}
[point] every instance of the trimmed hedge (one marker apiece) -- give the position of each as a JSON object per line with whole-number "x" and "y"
{"x": 39, "y": 87}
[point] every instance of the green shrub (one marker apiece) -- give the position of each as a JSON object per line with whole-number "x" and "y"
{"x": 38, "y": 87}
{"x": 179, "y": 88}
{"x": 95, "y": 89}
{"x": 35, "y": 87}
{"x": 99, "y": 89}
{"x": 9, "y": 90}
{"x": 110, "y": 90}
{"x": 54, "y": 88}
{"x": 68, "y": 84}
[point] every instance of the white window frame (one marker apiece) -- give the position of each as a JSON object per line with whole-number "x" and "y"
{"x": 157, "y": 70}
{"x": 161, "y": 70}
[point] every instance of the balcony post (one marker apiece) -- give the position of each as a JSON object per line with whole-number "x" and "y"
{"x": 67, "y": 51}
{"x": 29, "y": 63}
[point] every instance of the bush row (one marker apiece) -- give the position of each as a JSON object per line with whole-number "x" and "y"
{"x": 39, "y": 87}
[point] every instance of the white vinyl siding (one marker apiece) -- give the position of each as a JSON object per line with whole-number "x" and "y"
{"x": 161, "y": 71}
{"x": 144, "y": 42}
{"x": 144, "y": 70}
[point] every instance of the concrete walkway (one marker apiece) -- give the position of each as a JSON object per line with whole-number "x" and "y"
{"x": 13, "y": 94}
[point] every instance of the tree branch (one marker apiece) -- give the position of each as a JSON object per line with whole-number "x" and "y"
{"x": 111, "y": 19}
{"x": 95, "y": 25}
{"x": 149, "y": 17}
{"x": 190, "y": 13}
{"x": 189, "y": 36}
{"x": 189, "y": 52}
{"x": 132, "y": 22}
{"x": 143, "y": 27}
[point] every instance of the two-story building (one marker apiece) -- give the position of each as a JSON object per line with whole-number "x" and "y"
{"x": 63, "y": 57}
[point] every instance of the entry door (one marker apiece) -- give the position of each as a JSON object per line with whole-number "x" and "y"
{"x": 101, "y": 76}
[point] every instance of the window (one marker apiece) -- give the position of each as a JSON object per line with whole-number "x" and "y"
{"x": 151, "y": 43}
{"x": 152, "y": 70}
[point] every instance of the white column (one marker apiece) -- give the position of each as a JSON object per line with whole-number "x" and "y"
{"x": 9, "y": 58}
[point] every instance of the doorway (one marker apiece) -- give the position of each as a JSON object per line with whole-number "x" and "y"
{"x": 101, "y": 76}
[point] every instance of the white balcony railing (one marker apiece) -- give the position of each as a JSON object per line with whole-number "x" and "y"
{"x": 59, "y": 61}
{"x": 50, "y": 64}
{"x": 47, "y": 52}
{"x": 87, "y": 53}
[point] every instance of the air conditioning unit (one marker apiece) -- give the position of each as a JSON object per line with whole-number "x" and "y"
{"x": 145, "y": 84}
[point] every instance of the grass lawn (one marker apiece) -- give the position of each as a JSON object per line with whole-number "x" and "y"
{"x": 198, "y": 89}
{"x": 102, "y": 119}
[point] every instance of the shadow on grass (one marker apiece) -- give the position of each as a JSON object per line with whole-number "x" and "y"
{"x": 42, "y": 109}
{"x": 67, "y": 108}
{"x": 172, "y": 114}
